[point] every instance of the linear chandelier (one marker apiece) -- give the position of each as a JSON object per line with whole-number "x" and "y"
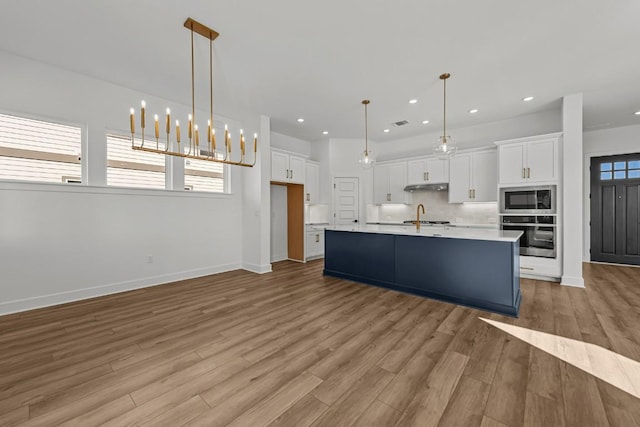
{"x": 195, "y": 151}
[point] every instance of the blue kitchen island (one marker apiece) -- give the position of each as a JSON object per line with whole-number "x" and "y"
{"x": 478, "y": 268}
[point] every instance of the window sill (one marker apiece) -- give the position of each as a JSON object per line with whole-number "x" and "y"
{"x": 127, "y": 191}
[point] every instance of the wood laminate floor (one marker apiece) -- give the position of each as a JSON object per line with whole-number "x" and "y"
{"x": 294, "y": 348}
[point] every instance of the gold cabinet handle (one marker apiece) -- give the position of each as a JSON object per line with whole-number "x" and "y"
{"x": 317, "y": 238}
{"x": 308, "y": 197}
{"x": 526, "y": 268}
{"x": 528, "y": 172}
{"x": 424, "y": 176}
{"x": 291, "y": 174}
{"x": 474, "y": 193}
{"x": 470, "y": 193}
{"x": 524, "y": 173}
{"x": 388, "y": 197}
{"x": 427, "y": 176}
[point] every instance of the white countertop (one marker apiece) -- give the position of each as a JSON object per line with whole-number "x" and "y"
{"x": 491, "y": 234}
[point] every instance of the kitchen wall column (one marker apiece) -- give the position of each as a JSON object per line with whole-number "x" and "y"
{"x": 572, "y": 190}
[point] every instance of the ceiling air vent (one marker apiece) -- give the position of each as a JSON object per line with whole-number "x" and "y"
{"x": 400, "y": 123}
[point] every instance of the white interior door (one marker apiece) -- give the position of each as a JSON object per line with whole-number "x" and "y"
{"x": 346, "y": 201}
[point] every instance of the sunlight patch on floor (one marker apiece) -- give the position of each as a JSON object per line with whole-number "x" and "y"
{"x": 611, "y": 367}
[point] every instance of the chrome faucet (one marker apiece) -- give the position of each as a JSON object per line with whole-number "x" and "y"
{"x": 418, "y": 216}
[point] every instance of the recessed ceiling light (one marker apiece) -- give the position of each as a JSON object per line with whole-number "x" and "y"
{"x": 637, "y": 113}
{"x": 413, "y": 101}
{"x": 386, "y": 131}
{"x": 527, "y": 98}
{"x": 425, "y": 122}
{"x": 473, "y": 111}
{"x": 300, "y": 120}
{"x": 326, "y": 132}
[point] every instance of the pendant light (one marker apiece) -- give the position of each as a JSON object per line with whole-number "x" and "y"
{"x": 445, "y": 146}
{"x": 367, "y": 159}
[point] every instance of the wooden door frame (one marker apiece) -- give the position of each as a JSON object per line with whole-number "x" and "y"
{"x": 295, "y": 221}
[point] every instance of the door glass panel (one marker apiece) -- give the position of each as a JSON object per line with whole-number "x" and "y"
{"x": 619, "y": 165}
{"x": 605, "y": 176}
{"x": 634, "y": 164}
{"x": 634, "y": 174}
{"x": 619, "y": 175}
{"x": 605, "y": 167}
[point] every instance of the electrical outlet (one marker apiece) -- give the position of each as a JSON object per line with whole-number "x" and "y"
{"x": 149, "y": 259}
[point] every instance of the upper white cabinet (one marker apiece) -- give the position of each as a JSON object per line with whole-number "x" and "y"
{"x": 529, "y": 160}
{"x": 389, "y": 180}
{"x": 311, "y": 182}
{"x": 287, "y": 168}
{"x": 427, "y": 171}
{"x": 473, "y": 177}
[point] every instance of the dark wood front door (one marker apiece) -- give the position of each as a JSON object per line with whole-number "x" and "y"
{"x": 615, "y": 209}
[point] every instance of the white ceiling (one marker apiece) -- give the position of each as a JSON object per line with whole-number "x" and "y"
{"x": 318, "y": 60}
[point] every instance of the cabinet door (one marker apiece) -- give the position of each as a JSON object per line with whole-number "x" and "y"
{"x": 296, "y": 169}
{"x": 437, "y": 170}
{"x": 511, "y": 164}
{"x": 279, "y": 167}
{"x": 397, "y": 182}
{"x": 460, "y": 178}
{"x": 541, "y": 160}
{"x": 484, "y": 176}
{"x": 311, "y": 182}
{"x": 381, "y": 192}
{"x": 416, "y": 172}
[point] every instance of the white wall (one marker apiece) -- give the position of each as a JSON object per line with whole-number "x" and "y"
{"x": 603, "y": 142}
{"x": 289, "y": 143}
{"x": 482, "y": 135}
{"x": 571, "y": 149}
{"x": 59, "y": 243}
{"x": 343, "y": 162}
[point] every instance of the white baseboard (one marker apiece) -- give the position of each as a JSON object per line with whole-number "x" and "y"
{"x": 255, "y": 268}
{"x": 576, "y": 282}
{"x": 98, "y": 291}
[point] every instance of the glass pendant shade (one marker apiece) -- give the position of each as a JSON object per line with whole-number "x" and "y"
{"x": 445, "y": 147}
{"x": 367, "y": 159}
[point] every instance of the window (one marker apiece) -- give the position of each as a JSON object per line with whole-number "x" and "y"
{"x": 129, "y": 168}
{"x": 201, "y": 175}
{"x": 36, "y": 150}
{"x": 621, "y": 170}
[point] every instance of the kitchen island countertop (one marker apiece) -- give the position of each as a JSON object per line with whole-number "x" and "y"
{"x": 490, "y": 234}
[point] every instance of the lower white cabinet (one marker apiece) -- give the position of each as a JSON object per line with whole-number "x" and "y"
{"x": 315, "y": 243}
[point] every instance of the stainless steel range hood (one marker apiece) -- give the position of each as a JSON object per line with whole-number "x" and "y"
{"x": 426, "y": 187}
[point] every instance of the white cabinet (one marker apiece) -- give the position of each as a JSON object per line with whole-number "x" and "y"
{"x": 389, "y": 180}
{"x": 315, "y": 243}
{"x": 287, "y": 168}
{"x": 311, "y": 182}
{"x": 473, "y": 177}
{"x": 529, "y": 160}
{"x": 427, "y": 171}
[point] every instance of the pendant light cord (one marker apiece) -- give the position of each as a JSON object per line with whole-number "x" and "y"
{"x": 444, "y": 109}
{"x": 366, "y": 130}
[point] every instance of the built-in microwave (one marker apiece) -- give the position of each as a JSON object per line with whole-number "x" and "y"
{"x": 528, "y": 200}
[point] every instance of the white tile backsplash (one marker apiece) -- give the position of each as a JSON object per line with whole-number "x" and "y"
{"x": 315, "y": 214}
{"x": 437, "y": 207}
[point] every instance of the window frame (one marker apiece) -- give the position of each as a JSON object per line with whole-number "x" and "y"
{"x": 50, "y": 156}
